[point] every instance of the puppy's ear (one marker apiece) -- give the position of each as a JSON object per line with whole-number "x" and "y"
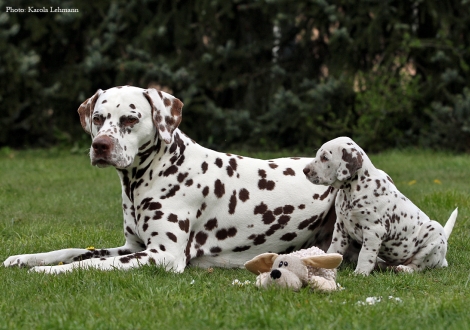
{"x": 328, "y": 261}
{"x": 351, "y": 162}
{"x": 166, "y": 112}
{"x": 85, "y": 111}
{"x": 261, "y": 263}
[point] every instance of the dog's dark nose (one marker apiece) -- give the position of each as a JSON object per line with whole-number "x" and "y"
{"x": 102, "y": 144}
{"x": 275, "y": 274}
{"x": 306, "y": 170}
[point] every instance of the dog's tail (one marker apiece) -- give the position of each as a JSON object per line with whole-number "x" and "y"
{"x": 450, "y": 223}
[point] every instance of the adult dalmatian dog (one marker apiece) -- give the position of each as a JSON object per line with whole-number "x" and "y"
{"x": 185, "y": 204}
{"x": 371, "y": 210}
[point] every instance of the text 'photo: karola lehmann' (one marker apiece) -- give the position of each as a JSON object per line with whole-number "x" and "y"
{"x": 31, "y": 9}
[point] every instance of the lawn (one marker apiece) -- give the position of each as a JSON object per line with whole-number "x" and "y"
{"x": 54, "y": 199}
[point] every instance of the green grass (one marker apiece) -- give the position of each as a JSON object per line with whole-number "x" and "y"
{"x": 51, "y": 200}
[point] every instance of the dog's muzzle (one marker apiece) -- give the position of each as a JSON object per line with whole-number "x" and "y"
{"x": 102, "y": 147}
{"x": 311, "y": 176}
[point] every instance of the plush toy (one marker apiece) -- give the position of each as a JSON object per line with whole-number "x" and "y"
{"x": 311, "y": 267}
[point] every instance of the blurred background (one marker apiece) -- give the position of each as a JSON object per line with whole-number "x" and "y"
{"x": 253, "y": 74}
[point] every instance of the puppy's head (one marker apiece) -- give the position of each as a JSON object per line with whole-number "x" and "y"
{"x": 337, "y": 160}
{"x": 121, "y": 120}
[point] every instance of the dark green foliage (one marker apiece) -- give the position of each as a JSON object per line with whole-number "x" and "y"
{"x": 263, "y": 74}
{"x": 451, "y": 123}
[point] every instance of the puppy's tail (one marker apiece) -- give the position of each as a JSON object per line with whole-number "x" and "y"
{"x": 450, "y": 223}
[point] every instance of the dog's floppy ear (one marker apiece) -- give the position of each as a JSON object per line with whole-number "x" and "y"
{"x": 328, "y": 261}
{"x": 351, "y": 162}
{"x": 166, "y": 112}
{"x": 261, "y": 263}
{"x": 86, "y": 110}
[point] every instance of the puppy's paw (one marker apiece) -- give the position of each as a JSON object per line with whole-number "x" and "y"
{"x": 361, "y": 272}
{"x": 402, "y": 269}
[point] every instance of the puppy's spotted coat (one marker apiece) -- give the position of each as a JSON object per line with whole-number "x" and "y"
{"x": 372, "y": 211}
{"x": 185, "y": 204}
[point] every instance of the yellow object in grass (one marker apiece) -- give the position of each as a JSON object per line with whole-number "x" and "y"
{"x": 91, "y": 248}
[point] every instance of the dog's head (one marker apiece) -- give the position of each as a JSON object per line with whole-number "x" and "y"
{"x": 336, "y": 160}
{"x": 121, "y": 120}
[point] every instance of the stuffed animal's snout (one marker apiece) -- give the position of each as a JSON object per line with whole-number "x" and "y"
{"x": 275, "y": 274}
{"x": 285, "y": 278}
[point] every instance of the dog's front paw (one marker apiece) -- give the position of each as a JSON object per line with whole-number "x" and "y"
{"x": 12, "y": 261}
{"x": 51, "y": 269}
{"x": 22, "y": 260}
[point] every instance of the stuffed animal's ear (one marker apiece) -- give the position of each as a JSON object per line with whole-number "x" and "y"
{"x": 328, "y": 261}
{"x": 261, "y": 263}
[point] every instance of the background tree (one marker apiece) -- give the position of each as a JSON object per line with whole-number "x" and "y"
{"x": 260, "y": 74}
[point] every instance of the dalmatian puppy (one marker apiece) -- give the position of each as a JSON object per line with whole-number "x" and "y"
{"x": 184, "y": 204}
{"x": 373, "y": 212}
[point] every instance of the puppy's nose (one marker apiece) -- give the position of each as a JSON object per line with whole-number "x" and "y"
{"x": 306, "y": 170}
{"x": 275, "y": 274}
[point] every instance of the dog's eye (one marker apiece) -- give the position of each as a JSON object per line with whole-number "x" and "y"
{"x": 98, "y": 120}
{"x": 323, "y": 158}
{"x": 129, "y": 121}
{"x": 286, "y": 264}
{"x": 280, "y": 264}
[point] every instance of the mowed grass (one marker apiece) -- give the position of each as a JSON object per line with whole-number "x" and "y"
{"x": 51, "y": 200}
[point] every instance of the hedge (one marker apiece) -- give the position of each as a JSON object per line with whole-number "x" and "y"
{"x": 261, "y": 74}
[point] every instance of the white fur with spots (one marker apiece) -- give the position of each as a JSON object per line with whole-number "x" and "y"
{"x": 373, "y": 212}
{"x": 184, "y": 204}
